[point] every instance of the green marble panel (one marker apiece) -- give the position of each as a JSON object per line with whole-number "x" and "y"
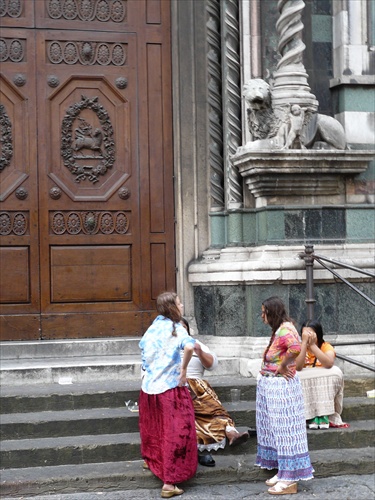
{"x": 356, "y": 98}
{"x": 321, "y": 28}
{"x": 234, "y": 310}
{"x": 249, "y": 228}
{"x": 218, "y": 230}
{"x": 230, "y": 309}
{"x": 275, "y": 225}
{"x": 355, "y": 314}
{"x": 360, "y": 224}
{"x": 235, "y": 228}
{"x": 262, "y": 227}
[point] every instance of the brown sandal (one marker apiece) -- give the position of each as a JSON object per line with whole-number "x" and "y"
{"x": 171, "y": 493}
{"x": 283, "y": 488}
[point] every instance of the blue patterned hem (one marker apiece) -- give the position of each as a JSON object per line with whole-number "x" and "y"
{"x": 293, "y": 468}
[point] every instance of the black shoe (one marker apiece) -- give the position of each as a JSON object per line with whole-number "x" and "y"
{"x": 252, "y": 432}
{"x": 206, "y": 460}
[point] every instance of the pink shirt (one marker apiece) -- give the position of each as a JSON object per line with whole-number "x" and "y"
{"x": 286, "y": 341}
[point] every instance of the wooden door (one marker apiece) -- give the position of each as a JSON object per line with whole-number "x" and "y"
{"x": 93, "y": 120}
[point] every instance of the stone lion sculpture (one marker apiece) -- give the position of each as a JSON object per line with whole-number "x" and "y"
{"x": 294, "y": 128}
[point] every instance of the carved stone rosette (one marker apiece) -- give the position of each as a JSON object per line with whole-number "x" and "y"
{"x": 124, "y": 193}
{"x": 22, "y": 193}
{"x": 13, "y": 223}
{"x": 88, "y": 10}
{"x": 89, "y": 222}
{"x": 87, "y": 53}
{"x": 19, "y": 80}
{"x": 12, "y": 49}
{"x": 55, "y": 193}
{"x": 11, "y": 8}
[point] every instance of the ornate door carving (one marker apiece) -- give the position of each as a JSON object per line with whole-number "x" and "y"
{"x": 97, "y": 220}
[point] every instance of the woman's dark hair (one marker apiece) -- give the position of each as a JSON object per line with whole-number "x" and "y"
{"x": 166, "y": 306}
{"x": 276, "y": 314}
{"x": 185, "y": 324}
{"x": 318, "y": 329}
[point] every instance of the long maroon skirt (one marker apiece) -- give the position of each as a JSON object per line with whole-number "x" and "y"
{"x": 168, "y": 437}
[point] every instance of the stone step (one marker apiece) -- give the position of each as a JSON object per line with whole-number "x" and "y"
{"x": 114, "y": 393}
{"x": 65, "y": 348}
{"x": 68, "y": 450}
{"x": 108, "y": 420}
{"x": 83, "y": 369}
{"x": 123, "y": 475}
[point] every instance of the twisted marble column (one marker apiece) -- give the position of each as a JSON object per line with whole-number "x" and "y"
{"x": 290, "y": 84}
{"x": 215, "y": 115}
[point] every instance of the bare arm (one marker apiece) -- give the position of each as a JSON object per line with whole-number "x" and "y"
{"x": 327, "y": 359}
{"x": 188, "y": 352}
{"x": 300, "y": 359}
{"x": 205, "y": 358}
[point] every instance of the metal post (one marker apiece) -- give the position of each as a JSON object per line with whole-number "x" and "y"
{"x": 309, "y": 261}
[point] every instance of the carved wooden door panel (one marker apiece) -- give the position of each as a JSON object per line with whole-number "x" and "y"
{"x": 104, "y": 165}
{"x": 19, "y": 251}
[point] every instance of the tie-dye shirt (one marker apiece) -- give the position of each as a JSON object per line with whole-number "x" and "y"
{"x": 161, "y": 358}
{"x": 286, "y": 341}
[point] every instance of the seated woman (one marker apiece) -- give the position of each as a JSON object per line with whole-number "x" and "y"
{"x": 213, "y": 423}
{"x": 322, "y": 382}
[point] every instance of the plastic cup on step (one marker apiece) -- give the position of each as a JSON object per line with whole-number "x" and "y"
{"x": 235, "y": 395}
{"x": 132, "y": 406}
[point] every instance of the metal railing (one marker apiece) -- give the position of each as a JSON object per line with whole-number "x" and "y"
{"x": 309, "y": 256}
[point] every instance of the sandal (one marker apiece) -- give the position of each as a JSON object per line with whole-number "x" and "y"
{"x": 272, "y": 481}
{"x": 283, "y": 488}
{"x": 238, "y": 439}
{"x": 171, "y": 493}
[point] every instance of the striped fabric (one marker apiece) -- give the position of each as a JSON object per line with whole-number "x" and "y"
{"x": 211, "y": 418}
{"x": 323, "y": 392}
{"x": 281, "y": 428}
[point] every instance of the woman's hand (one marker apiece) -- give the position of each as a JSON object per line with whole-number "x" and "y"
{"x": 182, "y": 379}
{"x": 309, "y": 336}
{"x": 285, "y": 371}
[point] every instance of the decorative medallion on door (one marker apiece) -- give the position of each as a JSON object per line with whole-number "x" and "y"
{"x": 14, "y": 223}
{"x": 6, "y": 142}
{"x": 87, "y": 10}
{"x": 88, "y": 167}
{"x": 89, "y": 222}
{"x": 87, "y": 142}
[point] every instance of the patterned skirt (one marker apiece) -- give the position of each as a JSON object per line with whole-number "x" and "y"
{"x": 281, "y": 428}
{"x": 323, "y": 392}
{"x": 167, "y": 429}
{"x": 211, "y": 418}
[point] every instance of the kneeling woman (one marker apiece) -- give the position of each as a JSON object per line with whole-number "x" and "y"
{"x": 322, "y": 382}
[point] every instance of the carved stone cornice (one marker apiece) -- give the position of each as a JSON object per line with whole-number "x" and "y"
{"x": 299, "y": 172}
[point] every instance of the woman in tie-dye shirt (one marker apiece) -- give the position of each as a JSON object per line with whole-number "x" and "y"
{"x": 280, "y": 414}
{"x": 166, "y": 412}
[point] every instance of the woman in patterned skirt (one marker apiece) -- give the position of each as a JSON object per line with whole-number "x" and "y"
{"x": 166, "y": 412}
{"x": 280, "y": 414}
